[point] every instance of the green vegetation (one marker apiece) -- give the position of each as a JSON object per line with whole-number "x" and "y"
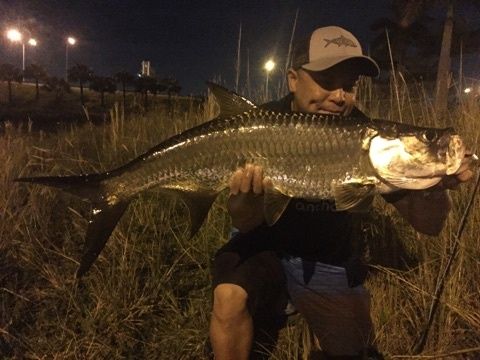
{"x": 148, "y": 296}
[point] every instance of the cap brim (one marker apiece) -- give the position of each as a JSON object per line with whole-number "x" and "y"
{"x": 363, "y": 64}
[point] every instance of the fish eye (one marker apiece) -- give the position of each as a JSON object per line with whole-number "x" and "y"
{"x": 429, "y": 135}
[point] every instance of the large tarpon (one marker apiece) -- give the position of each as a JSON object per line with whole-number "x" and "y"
{"x": 311, "y": 156}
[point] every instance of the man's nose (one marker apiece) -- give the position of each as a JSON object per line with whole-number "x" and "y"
{"x": 338, "y": 96}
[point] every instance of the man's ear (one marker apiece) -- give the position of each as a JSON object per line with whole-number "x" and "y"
{"x": 292, "y": 77}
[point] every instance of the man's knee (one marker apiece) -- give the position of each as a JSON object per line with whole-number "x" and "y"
{"x": 229, "y": 302}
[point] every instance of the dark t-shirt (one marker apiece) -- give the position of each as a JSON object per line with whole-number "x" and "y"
{"x": 311, "y": 230}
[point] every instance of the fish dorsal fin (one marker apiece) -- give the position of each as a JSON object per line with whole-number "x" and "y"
{"x": 274, "y": 205}
{"x": 353, "y": 196}
{"x": 103, "y": 220}
{"x": 230, "y": 103}
{"x": 198, "y": 204}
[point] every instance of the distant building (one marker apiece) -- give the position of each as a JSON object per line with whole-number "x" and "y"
{"x": 146, "y": 69}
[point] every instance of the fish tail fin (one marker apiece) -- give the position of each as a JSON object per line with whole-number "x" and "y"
{"x": 105, "y": 214}
{"x": 103, "y": 220}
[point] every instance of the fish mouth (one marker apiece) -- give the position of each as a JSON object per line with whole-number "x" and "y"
{"x": 455, "y": 154}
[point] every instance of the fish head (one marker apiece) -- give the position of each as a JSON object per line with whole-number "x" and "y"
{"x": 410, "y": 157}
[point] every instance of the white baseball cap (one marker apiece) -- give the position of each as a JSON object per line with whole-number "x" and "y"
{"x": 331, "y": 45}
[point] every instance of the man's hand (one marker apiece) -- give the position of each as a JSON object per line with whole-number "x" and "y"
{"x": 245, "y": 204}
{"x": 463, "y": 174}
{"x": 427, "y": 210}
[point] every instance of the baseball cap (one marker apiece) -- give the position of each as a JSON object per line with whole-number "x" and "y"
{"x": 331, "y": 45}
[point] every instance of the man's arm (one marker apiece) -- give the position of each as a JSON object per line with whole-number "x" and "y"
{"x": 427, "y": 210}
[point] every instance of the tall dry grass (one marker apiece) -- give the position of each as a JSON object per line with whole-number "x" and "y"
{"x": 148, "y": 295}
{"x": 403, "y": 293}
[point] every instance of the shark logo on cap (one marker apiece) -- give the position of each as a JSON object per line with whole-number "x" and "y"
{"x": 340, "y": 41}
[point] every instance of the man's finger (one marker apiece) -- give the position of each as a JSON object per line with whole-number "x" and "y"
{"x": 235, "y": 181}
{"x": 246, "y": 183}
{"x": 465, "y": 175}
{"x": 257, "y": 179}
{"x": 452, "y": 181}
{"x": 267, "y": 184}
{"x": 466, "y": 165}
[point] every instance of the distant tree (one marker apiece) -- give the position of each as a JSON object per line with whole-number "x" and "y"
{"x": 37, "y": 73}
{"x": 161, "y": 87}
{"x": 10, "y": 73}
{"x": 124, "y": 78}
{"x": 144, "y": 85}
{"x": 81, "y": 74}
{"x": 57, "y": 86}
{"x": 171, "y": 87}
{"x": 102, "y": 85}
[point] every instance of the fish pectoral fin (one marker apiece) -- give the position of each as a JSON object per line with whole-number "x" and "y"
{"x": 274, "y": 205}
{"x": 355, "y": 197}
{"x": 198, "y": 204}
{"x": 229, "y": 102}
{"x": 104, "y": 219}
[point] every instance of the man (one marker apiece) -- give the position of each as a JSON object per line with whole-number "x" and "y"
{"x": 309, "y": 250}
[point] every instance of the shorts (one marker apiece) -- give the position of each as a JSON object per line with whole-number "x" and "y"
{"x": 248, "y": 261}
{"x": 331, "y": 298}
{"x": 338, "y": 314}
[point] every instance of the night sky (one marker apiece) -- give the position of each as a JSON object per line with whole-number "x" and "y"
{"x": 193, "y": 41}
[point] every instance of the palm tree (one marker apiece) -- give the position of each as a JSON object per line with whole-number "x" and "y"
{"x": 124, "y": 78}
{"x": 58, "y": 86}
{"x": 10, "y": 73}
{"x": 171, "y": 86}
{"x": 102, "y": 85}
{"x": 81, "y": 74}
{"x": 144, "y": 85}
{"x": 36, "y": 72}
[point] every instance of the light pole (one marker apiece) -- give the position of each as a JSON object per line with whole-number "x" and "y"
{"x": 31, "y": 42}
{"x": 269, "y": 66}
{"x": 70, "y": 41}
{"x": 16, "y": 36}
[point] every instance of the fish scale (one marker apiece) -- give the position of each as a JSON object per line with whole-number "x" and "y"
{"x": 303, "y": 146}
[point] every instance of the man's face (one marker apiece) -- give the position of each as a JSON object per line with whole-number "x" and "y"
{"x": 329, "y": 91}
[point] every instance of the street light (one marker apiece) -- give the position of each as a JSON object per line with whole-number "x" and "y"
{"x": 16, "y": 36}
{"x": 269, "y": 66}
{"x": 70, "y": 41}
